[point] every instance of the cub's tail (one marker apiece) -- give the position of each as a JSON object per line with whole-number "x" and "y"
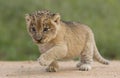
{"x": 98, "y": 57}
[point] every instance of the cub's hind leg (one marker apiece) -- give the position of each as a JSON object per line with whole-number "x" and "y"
{"x": 53, "y": 67}
{"x": 86, "y": 57}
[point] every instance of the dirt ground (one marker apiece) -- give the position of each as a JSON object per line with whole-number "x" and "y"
{"x": 32, "y": 69}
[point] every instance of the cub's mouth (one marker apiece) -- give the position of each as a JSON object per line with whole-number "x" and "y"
{"x": 39, "y": 41}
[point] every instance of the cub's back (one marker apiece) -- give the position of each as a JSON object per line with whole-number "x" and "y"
{"x": 75, "y": 37}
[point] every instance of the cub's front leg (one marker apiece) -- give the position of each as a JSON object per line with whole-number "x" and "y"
{"x": 48, "y": 58}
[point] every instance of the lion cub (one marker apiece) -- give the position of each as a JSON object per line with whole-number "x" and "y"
{"x": 58, "y": 39}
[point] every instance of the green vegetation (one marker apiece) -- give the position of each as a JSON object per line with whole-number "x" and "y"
{"x": 101, "y": 15}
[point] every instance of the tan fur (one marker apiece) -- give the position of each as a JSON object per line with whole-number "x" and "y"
{"x": 62, "y": 40}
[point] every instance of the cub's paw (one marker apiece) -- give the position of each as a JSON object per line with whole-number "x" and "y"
{"x": 78, "y": 65}
{"x": 85, "y": 67}
{"x": 51, "y": 69}
{"x": 43, "y": 61}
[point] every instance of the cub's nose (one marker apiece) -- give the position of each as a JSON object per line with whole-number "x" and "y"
{"x": 37, "y": 37}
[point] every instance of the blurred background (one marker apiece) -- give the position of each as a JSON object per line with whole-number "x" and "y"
{"x": 103, "y": 16}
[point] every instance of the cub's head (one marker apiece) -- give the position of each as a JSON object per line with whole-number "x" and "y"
{"x": 42, "y": 25}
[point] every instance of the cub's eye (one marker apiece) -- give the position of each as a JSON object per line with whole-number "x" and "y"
{"x": 33, "y": 29}
{"x": 45, "y": 29}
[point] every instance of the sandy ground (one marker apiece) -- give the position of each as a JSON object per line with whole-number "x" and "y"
{"x": 31, "y": 69}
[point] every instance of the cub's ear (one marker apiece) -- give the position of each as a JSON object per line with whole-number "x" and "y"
{"x": 27, "y": 17}
{"x": 56, "y": 18}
